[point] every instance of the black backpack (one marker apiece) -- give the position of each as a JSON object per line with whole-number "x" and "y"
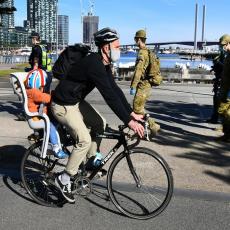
{"x": 70, "y": 56}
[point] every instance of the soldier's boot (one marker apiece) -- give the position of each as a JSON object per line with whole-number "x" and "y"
{"x": 226, "y": 136}
{"x": 153, "y": 126}
{"x": 219, "y": 128}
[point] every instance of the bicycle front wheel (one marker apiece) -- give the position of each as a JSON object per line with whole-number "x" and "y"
{"x": 140, "y": 184}
{"x": 38, "y": 176}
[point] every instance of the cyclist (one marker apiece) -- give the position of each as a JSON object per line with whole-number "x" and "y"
{"x": 70, "y": 108}
{"x": 35, "y": 83}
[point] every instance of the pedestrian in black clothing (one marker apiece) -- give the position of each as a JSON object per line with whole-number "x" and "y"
{"x": 40, "y": 58}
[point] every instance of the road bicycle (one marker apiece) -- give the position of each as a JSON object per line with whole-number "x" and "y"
{"x": 139, "y": 181}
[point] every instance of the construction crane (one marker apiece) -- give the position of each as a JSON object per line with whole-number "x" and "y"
{"x": 91, "y": 9}
{"x": 87, "y": 22}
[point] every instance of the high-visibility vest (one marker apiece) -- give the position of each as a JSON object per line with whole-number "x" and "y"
{"x": 46, "y": 59}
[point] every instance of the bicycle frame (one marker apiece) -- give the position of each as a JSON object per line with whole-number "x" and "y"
{"x": 120, "y": 136}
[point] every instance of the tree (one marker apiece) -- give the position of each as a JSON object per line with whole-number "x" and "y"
{"x": 5, "y": 10}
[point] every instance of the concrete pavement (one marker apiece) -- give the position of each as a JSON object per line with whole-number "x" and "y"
{"x": 200, "y": 168}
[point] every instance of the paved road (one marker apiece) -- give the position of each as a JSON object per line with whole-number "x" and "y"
{"x": 200, "y": 168}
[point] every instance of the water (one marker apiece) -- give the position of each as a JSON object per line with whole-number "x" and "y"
{"x": 166, "y": 60}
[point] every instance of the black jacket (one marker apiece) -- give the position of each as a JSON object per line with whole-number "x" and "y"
{"x": 36, "y": 53}
{"x": 83, "y": 77}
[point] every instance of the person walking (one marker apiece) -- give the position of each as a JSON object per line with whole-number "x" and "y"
{"x": 217, "y": 68}
{"x": 224, "y": 108}
{"x": 141, "y": 85}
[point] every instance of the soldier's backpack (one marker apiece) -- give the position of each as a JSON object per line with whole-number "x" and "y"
{"x": 70, "y": 56}
{"x": 153, "y": 70}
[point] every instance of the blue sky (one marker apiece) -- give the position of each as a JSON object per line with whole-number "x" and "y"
{"x": 164, "y": 20}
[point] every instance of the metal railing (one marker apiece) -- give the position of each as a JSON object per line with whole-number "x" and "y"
{"x": 13, "y": 59}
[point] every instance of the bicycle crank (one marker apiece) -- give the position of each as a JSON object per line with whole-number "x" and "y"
{"x": 81, "y": 186}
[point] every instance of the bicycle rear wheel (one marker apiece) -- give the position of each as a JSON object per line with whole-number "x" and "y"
{"x": 147, "y": 195}
{"x": 38, "y": 176}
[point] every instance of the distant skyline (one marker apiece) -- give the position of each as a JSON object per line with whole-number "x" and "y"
{"x": 164, "y": 20}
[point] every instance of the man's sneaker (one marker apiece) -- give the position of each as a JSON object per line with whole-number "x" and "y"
{"x": 65, "y": 190}
{"x": 61, "y": 154}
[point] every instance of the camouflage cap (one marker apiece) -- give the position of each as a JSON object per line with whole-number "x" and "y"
{"x": 225, "y": 39}
{"x": 140, "y": 34}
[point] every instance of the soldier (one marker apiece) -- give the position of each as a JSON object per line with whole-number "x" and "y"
{"x": 217, "y": 68}
{"x": 224, "y": 108}
{"x": 140, "y": 84}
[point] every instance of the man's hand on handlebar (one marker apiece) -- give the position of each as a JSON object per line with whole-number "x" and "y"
{"x": 137, "y": 128}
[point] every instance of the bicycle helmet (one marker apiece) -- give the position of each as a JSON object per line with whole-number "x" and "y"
{"x": 36, "y": 79}
{"x": 105, "y": 35}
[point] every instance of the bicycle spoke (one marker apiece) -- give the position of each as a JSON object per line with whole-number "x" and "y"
{"x": 37, "y": 175}
{"x": 148, "y": 187}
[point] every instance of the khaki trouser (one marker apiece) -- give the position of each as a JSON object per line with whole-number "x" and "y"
{"x": 142, "y": 95}
{"x": 79, "y": 119}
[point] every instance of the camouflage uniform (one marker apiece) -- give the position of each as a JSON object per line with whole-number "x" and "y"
{"x": 225, "y": 83}
{"x": 218, "y": 64}
{"x": 142, "y": 86}
{"x": 224, "y": 108}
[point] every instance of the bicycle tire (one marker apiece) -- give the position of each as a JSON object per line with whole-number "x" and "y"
{"x": 146, "y": 201}
{"x": 37, "y": 175}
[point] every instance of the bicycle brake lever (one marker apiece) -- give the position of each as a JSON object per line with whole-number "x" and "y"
{"x": 146, "y": 133}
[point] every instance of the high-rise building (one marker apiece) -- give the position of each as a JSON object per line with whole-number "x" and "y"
{"x": 7, "y": 25}
{"x": 90, "y": 26}
{"x": 42, "y": 17}
{"x": 7, "y": 20}
{"x": 63, "y": 30}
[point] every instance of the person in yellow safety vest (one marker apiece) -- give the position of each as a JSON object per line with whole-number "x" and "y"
{"x": 40, "y": 58}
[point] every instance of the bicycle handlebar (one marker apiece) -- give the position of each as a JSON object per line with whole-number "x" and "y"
{"x": 145, "y": 125}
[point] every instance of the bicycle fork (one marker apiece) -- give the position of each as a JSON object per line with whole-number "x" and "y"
{"x": 132, "y": 169}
